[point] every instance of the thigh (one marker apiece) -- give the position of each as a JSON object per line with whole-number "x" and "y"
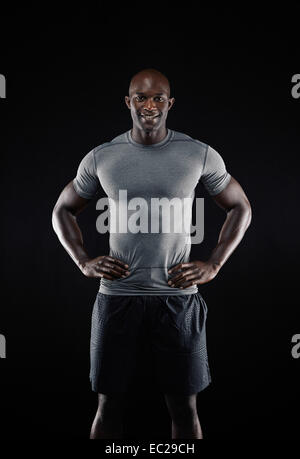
{"x": 116, "y": 321}
{"x": 179, "y": 344}
{"x": 179, "y": 324}
{"x": 115, "y": 333}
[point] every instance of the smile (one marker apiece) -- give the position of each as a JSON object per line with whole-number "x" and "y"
{"x": 149, "y": 117}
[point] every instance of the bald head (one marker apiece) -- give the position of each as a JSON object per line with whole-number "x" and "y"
{"x": 149, "y": 103}
{"x": 147, "y": 79}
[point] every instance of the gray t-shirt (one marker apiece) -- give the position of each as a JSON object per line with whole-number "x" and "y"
{"x": 135, "y": 178}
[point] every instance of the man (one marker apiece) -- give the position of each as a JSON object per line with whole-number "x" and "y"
{"x": 148, "y": 286}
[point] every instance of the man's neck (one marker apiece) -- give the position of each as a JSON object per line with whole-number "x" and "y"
{"x": 148, "y": 137}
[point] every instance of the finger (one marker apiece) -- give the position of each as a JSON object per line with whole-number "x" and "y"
{"x": 115, "y": 260}
{"x": 181, "y": 275}
{"x": 182, "y": 281}
{"x": 180, "y": 266}
{"x": 115, "y": 267}
{"x": 110, "y": 271}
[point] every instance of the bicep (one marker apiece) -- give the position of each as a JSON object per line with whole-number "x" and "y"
{"x": 214, "y": 177}
{"x": 86, "y": 183}
{"x": 70, "y": 200}
{"x": 233, "y": 195}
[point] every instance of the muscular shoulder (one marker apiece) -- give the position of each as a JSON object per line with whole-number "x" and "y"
{"x": 118, "y": 140}
{"x": 187, "y": 142}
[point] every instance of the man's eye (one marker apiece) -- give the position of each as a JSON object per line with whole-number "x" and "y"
{"x": 159, "y": 99}
{"x": 139, "y": 98}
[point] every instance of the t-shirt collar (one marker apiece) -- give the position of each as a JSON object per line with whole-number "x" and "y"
{"x": 154, "y": 145}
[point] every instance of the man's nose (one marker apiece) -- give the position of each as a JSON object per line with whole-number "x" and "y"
{"x": 149, "y": 104}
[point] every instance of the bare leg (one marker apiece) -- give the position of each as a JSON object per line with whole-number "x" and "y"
{"x": 108, "y": 419}
{"x": 183, "y": 412}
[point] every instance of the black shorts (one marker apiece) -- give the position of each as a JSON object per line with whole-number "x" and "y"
{"x": 148, "y": 342}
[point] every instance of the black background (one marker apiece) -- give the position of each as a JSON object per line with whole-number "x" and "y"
{"x": 67, "y": 76}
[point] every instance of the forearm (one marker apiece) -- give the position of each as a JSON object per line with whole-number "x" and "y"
{"x": 69, "y": 234}
{"x": 237, "y": 221}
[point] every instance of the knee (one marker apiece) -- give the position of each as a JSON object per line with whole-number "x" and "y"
{"x": 109, "y": 407}
{"x": 182, "y": 411}
{"x": 184, "y": 415}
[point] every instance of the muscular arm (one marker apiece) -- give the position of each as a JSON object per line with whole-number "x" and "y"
{"x": 68, "y": 206}
{"x": 234, "y": 202}
{"x": 66, "y": 209}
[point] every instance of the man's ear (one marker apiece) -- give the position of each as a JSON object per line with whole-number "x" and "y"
{"x": 171, "y": 102}
{"x": 127, "y": 102}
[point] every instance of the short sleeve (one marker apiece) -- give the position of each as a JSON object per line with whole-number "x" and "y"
{"x": 86, "y": 182}
{"x": 214, "y": 175}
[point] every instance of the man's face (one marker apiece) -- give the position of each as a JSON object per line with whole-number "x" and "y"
{"x": 149, "y": 102}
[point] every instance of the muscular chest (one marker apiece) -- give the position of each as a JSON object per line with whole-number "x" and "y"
{"x": 149, "y": 174}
